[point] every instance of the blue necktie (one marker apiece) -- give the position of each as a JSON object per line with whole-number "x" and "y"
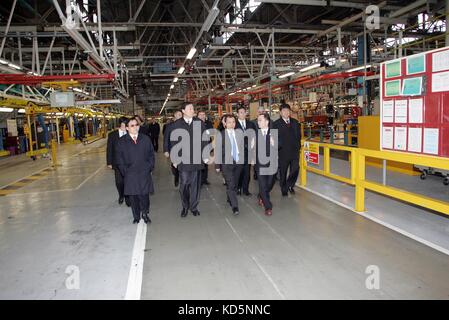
{"x": 235, "y": 154}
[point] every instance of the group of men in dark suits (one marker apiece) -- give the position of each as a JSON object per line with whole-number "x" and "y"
{"x": 130, "y": 154}
{"x": 272, "y": 147}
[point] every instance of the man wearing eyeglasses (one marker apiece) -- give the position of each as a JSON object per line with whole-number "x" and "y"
{"x": 135, "y": 160}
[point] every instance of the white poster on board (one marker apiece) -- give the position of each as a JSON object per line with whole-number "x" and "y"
{"x": 400, "y": 111}
{"x": 440, "y": 61}
{"x": 431, "y": 136}
{"x": 387, "y": 111}
{"x": 387, "y": 137}
{"x": 440, "y": 82}
{"x": 11, "y": 126}
{"x": 400, "y": 138}
{"x": 415, "y": 110}
{"x": 415, "y": 139}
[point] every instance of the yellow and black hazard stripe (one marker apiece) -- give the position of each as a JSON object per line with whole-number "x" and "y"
{"x": 13, "y": 187}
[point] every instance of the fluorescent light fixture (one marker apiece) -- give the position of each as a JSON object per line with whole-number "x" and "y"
{"x": 181, "y": 70}
{"x": 191, "y": 53}
{"x": 21, "y": 111}
{"x": 359, "y": 68}
{"x": 15, "y": 66}
{"x": 5, "y": 109}
{"x": 313, "y": 66}
{"x": 285, "y": 75}
{"x": 175, "y": 79}
{"x": 223, "y": 84}
{"x": 3, "y": 61}
{"x": 168, "y": 95}
{"x": 172, "y": 86}
{"x": 253, "y": 86}
{"x": 232, "y": 93}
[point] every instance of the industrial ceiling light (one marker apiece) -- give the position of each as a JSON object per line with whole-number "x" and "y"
{"x": 172, "y": 86}
{"x": 191, "y": 53}
{"x": 285, "y": 75}
{"x": 15, "y": 66}
{"x": 21, "y": 111}
{"x": 175, "y": 79}
{"x": 232, "y": 93}
{"x": 253, "y": 86}
{"x": 3, "y": 61}
{"x": 5, "y": 109}
{"x": 168, "y": 95}
{"x": 181, "y": 70}
{"x": 313, "y": 66}
{"x": 359, "y": 68}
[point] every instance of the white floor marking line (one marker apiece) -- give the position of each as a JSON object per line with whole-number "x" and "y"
{"x": 265, "y": 273}
{"x": 279, "y": 292}
{"x": 233, "y": 230}
{"x": 383, "y": 223}
{"x": 89, "y": 177}
{"x": 134, "y": 287}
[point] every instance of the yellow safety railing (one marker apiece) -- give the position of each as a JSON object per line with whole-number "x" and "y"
{"x": 358, "y": 174}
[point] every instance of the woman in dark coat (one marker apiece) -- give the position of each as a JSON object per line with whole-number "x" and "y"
{"x": 135, "y": 160}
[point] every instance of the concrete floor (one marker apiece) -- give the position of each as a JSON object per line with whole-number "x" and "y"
{"x": 310, "y": 248}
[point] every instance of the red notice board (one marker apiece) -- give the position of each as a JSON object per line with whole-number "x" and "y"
{"x": 415, "y": 103}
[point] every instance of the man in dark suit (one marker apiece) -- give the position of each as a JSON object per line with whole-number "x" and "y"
{"x": 207, "y": 125}
{"x": 143, "y": 128}
{"x": 230, "y": 154}
{"x": 154, "y": 129}
{"x": 289, "y": 132}
{"x": 111, "y": 159}
{"x": 244, "y": 125}
{"x": 266, "y": 164}
{"x": 135, "y": 160}
{"x": 187, "y": 157}
{"x": 168, "y": 145}
{"x": 260, "y": 110}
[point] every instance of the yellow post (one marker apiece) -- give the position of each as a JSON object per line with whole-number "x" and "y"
{"x": 349, "y": 128}
{"x": 359, "y": 187}
{"x": 30, "y": 135}
{"x": 53, "y": 153}
{"x": 327, "y": 160}
{"x": 302, "y": 167}
{"x": 353, "y": 164}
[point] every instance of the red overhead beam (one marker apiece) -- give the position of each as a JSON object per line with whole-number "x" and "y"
{"x": 26, "y": 79}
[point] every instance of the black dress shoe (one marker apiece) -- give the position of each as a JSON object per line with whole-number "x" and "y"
{"x": 145, "y": 218}
{"x": 235, "y": 211}
{"x": 176, "y": 182}
{"x": 184, "y": 213}
{"x": 135, "y": 221}
{"x": 247, "y": 193}
{"x": 291, "y": 190}
{"x": 120, "y": 200}
{"x": 196, "y": 213}
{"x": 284, "y": 194}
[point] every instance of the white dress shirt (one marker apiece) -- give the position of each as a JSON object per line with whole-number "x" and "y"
{"x": 243, "y": 123}
{"x": 121, "y": 133}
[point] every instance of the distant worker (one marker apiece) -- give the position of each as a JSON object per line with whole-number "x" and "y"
{"x": 208, "y": 125}
{"x": 168, "y": 144}
{"x": 289, "y": 134}
{"x": 154, "y": 129}
{"x": 135, "y": 160}
{"x": 111, "y": 158}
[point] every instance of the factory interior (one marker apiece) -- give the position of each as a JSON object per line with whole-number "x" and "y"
{"x": 367, "y": 82}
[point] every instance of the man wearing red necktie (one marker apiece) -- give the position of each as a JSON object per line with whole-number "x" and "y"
{"x": 135, "y": 160}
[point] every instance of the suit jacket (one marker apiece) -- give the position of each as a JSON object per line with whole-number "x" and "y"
{"x": 113, "y": 138}
{"x": 223, "y": 149}
{"x": 154, "y": 129}
{"x": 167, "y": 142}
{"x": 136, "y": 162}
{"x": 195, "y": 162}
{"x": 249, "y": 125}
{"x": 270, "y": 151}
{"x": 289, "y": 138}
{"x": 143, "y": 129}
